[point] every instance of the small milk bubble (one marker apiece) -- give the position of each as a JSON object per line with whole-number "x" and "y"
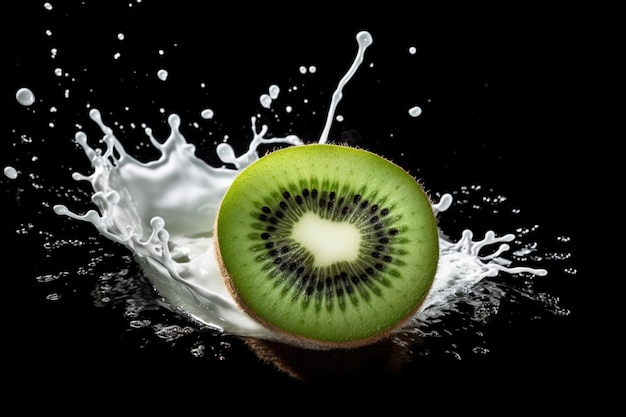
{"x": 162, "y": 74}
{"x": 10, "y": 172}
{"x": 412, "y": 50}
{"x": 312, "y": 69}
{"x": 302, "y": 69}
{"x": 120, "y": 36}
{"x": 25, "y": 97}
{"x": 415, "y": 111}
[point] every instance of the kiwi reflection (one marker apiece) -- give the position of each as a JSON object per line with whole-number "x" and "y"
{"x": 381, "y": 359}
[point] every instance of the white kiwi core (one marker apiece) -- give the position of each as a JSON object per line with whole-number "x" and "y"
{"x": 329, "y": 242}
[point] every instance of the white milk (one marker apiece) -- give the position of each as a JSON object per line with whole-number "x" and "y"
{"x": 163, "y": 212}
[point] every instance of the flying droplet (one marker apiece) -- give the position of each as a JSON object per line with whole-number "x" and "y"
{"x": 10, "y": 172}
{"x": 207, "y": 114}
{"x": 266, "y": 100}
{"x": 274, "y": 90}
{"x": 25, "y": 97}
{"x": 415, "y": 111}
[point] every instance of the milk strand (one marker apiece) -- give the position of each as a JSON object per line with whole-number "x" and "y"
{"x": 163, "y": 211}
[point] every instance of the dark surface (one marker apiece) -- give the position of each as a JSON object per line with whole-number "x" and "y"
{"x": 503, "y": 99}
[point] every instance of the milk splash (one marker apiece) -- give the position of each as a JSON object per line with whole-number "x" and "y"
{"x": 163, "y": 212}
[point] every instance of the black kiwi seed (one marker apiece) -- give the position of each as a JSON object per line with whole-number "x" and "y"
{"x": 358, "y": 209}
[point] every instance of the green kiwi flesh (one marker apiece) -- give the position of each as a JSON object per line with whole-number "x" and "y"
{"x": 330, "y": 246}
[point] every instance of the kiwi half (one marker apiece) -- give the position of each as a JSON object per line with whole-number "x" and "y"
{"x": 329, "y": 246}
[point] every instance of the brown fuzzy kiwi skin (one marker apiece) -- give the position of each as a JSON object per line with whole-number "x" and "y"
{"x": 297, "y": 340}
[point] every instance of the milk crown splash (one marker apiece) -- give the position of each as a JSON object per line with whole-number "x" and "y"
{"x": 164, "y": 210}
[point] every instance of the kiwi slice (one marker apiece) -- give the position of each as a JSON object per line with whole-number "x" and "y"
{"x": 328, "y": 245}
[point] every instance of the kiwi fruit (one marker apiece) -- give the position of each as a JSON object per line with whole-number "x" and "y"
{"x": 327, "y": 245}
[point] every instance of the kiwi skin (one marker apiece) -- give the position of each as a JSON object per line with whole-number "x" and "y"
{"x": 302, "y": 341}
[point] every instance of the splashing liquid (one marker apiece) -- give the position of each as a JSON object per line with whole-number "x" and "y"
{"x": 163, "y": 211}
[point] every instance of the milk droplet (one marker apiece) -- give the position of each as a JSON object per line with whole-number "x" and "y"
{"x": 162, "y": 74}
{"x": 412, "y": 50}
{"x": 266, "y": 100}
{"x": 207, "y": 114}
{"x": 415, "y": 111}
{"x": 47, "y": 6}
{"x": 120, "y": 36}
{"x": 10, "y": 172}
{"x": 273, "y": 91}
{"x": 25, "y": 97}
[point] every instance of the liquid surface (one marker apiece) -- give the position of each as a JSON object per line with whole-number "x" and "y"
{"x": 160, "y": 209}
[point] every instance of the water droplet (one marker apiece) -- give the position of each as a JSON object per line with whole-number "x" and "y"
{"x": 273, "y": 91}
{"x": 415, "y": 111}
{"x": 198, "y": 351}
{"x": 364, "y": 38}
{"x": 225, "y": 152}
{"x": 53, "y": 296}
{"x": 138, "y": 324}
{"x": 25, "y": 97}
{"x": 10, "y": 172}
{"x": 207, "y": 114}
{"x": 266, "y": 100}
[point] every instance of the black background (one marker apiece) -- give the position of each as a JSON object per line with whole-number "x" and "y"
{"x": 511, "y": 101}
